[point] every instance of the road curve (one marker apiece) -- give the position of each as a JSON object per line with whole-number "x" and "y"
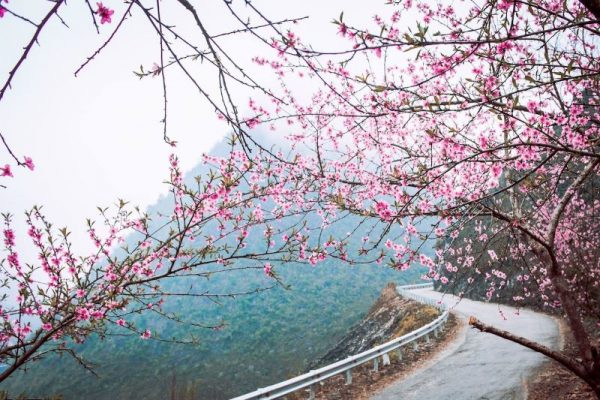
{"x": 479, "y": 365}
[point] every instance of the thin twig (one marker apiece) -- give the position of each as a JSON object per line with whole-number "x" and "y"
{"x": 162, "y": 74}
{"x": 29, "y": 46}
{"x": 19, "y": 162}
{"x": 89, "y": 59}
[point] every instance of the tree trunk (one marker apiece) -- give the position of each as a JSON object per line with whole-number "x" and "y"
{"x": 589, "y": 355}
{"x": 593, "y": 6}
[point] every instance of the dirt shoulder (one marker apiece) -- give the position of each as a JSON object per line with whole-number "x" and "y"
{"x": 553, "y": 381}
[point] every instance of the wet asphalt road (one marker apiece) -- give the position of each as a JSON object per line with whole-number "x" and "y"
{"x": 479, "y": 365}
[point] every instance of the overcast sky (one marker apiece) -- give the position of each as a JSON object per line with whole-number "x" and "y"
{"x": 97, "y": 137}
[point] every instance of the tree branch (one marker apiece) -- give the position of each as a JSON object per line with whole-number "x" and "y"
{"x": 565, "y": 361}
{"x": 27, "y": 48}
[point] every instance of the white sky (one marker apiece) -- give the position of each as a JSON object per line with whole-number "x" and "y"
{"x": 97, "y": 137}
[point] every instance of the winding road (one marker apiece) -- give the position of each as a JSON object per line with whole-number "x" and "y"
{"x": 479, "y": 365}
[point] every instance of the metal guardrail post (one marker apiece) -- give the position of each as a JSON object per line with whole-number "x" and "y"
{"x": 399, "y": 353}
{"x": 416, "y": 346}
{"x": 349, "y": 377}
{"x": 376, "y": 364}
{"x": 386, "y": 359}
{"x": 311, "y": 392}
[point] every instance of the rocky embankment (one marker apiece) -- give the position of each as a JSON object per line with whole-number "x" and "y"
{"x": 391, "y": 316}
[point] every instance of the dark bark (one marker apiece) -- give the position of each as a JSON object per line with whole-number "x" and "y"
{"x": 35, "y": 346}
{"x": 569, "y": 363}
{"x": 593, "y": 6}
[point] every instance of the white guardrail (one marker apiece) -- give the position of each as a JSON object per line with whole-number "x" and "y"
{"x": 309, "y": 379}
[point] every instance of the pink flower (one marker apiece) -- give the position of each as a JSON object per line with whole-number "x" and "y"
{"x": 146, "y": 334}
{"x": 29, "y": 163}
{"x": 105, "y": 13}
{"x": 505, "y": 4}
{"x": 504, "y": 47}
{"x": 121, "y": 322}
{"x": 532, "y": 106}
{"x": 410, "y": 228}
{"x": 382, "y": 208}
{"x": 111, "y": 276}
{"x": 2, "y": 11}
{"x": 252, "y": 122}
{"x": 5, "y": 171}
{"x": 13, "y": 259}
{"x": 83, "y": 314}
{"x": 268, "y": 269}
{"x": 80, "y": 293}
{"x": 47, "y": 326}
{"x": 9, "y": 237}
{"x": 156, "y": 69}
{"x": 496, "y": 170}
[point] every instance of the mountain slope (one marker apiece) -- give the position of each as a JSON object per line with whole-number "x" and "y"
{"x": 268, "y": 337}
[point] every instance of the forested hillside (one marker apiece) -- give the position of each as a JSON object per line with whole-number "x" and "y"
{"x": 266, "y": 337}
